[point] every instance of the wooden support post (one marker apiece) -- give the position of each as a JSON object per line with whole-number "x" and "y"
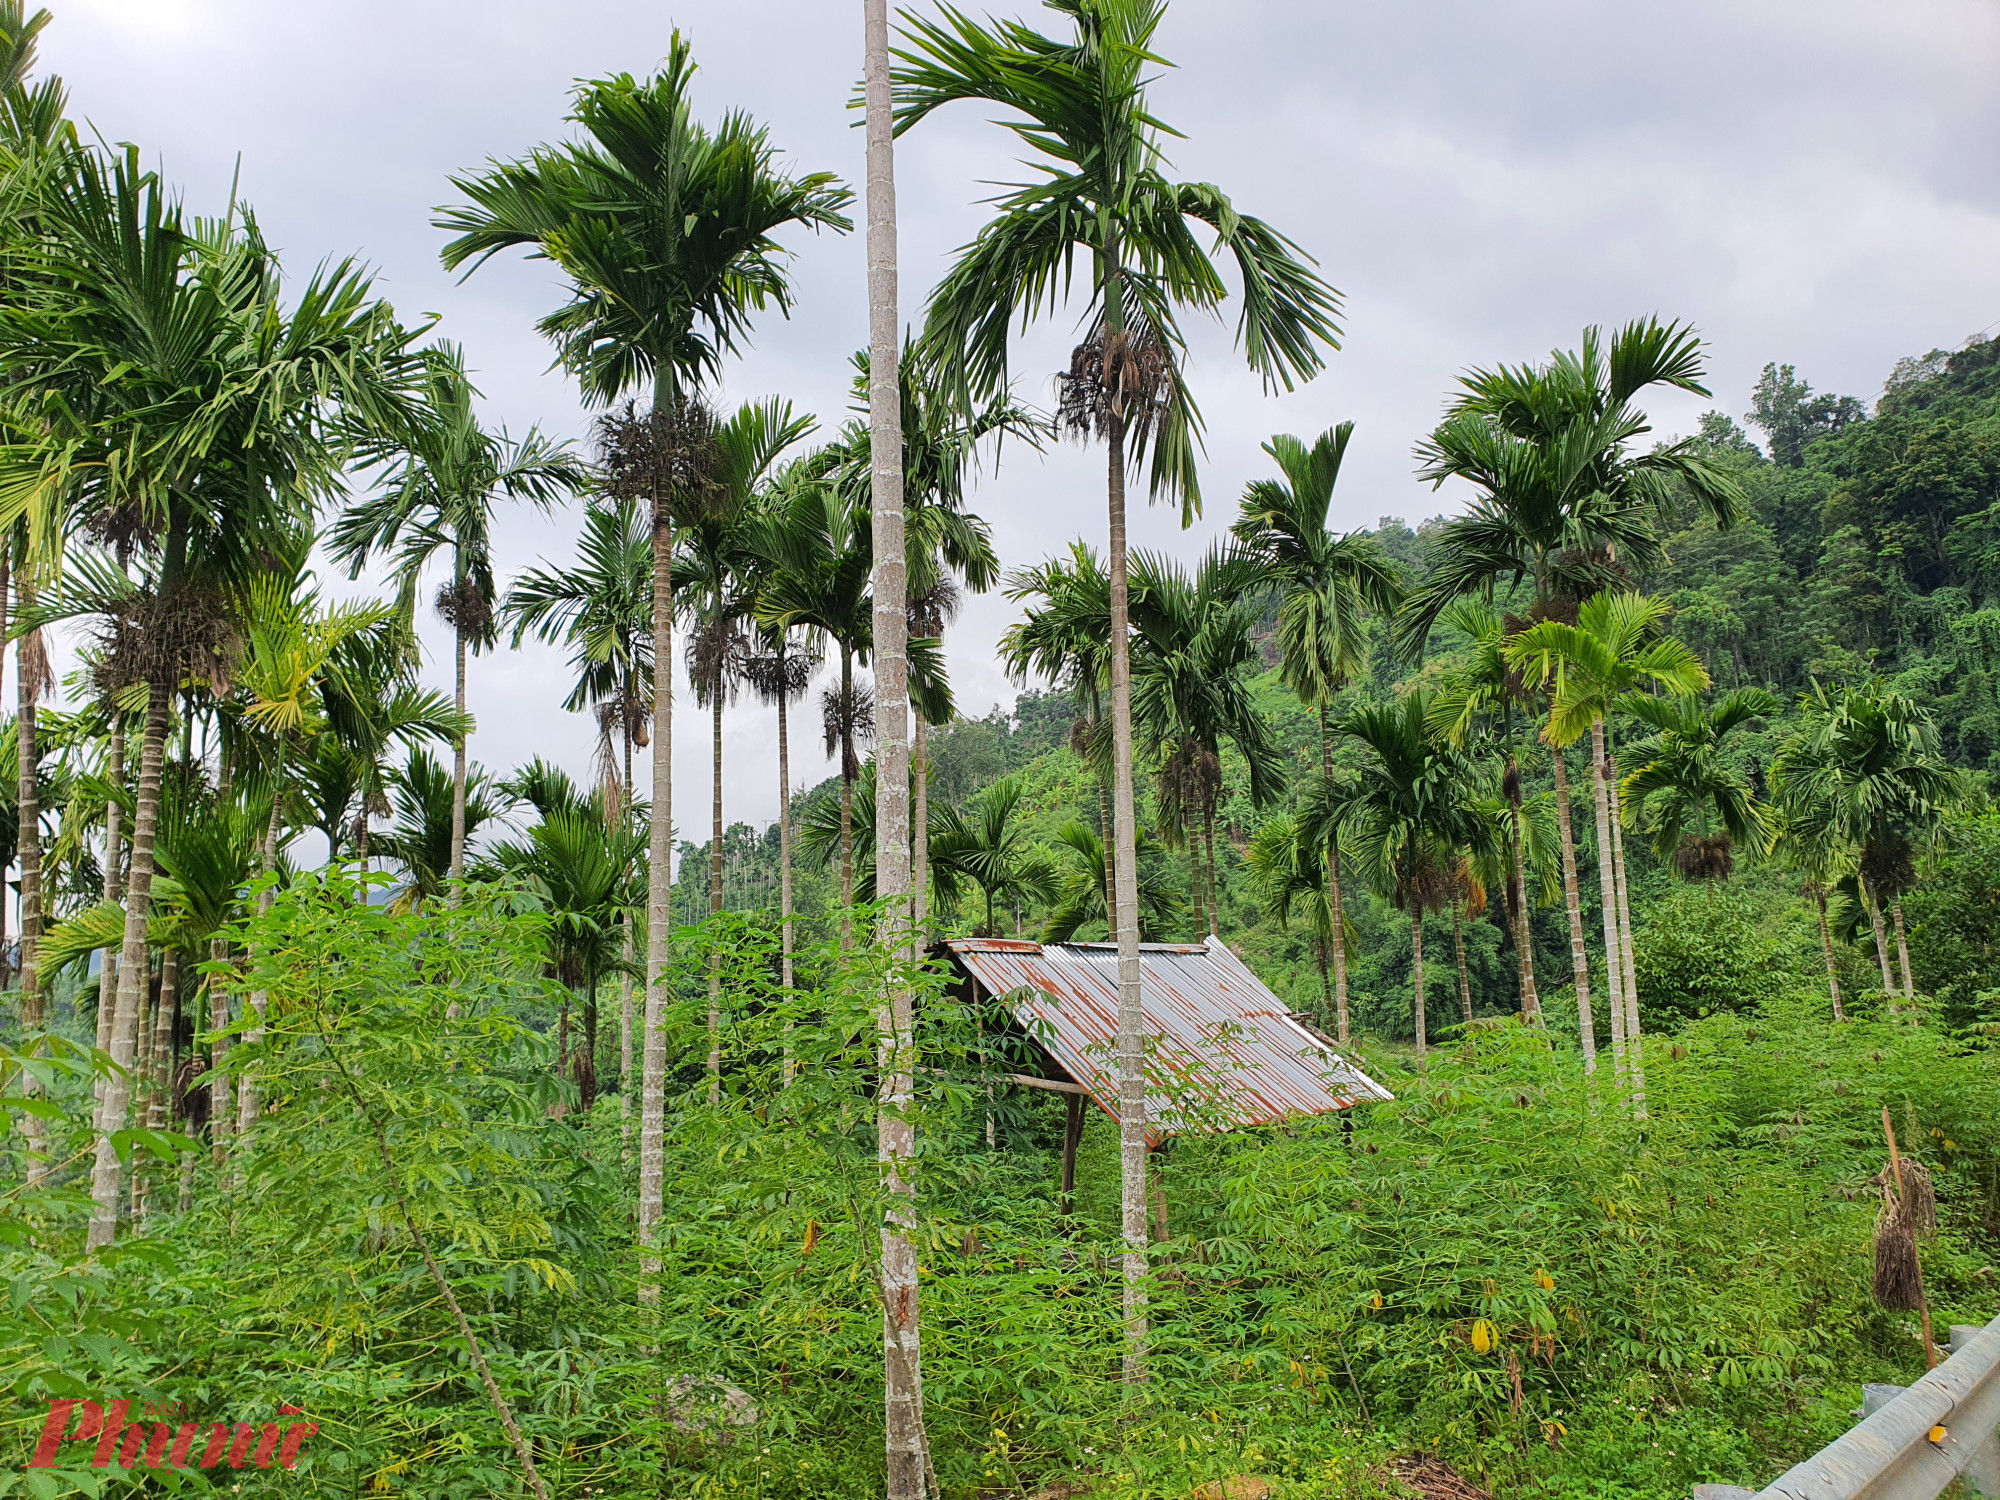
{"x": 1072, "y": 1134}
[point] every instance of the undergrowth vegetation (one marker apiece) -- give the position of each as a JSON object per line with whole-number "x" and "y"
{"x": 1503, "y": 1264}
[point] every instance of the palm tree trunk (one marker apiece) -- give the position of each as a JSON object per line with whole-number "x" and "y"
{"x": 590, "y": 1046}
{"x": 248, "y": 1105}
{"x": 1214, "y": 892}
{"x": 564, "y": 1072}
{"x": 625, "y": 982}
{"x": 1635, "y": 1062}
{"x": 457, "y": 772}
{"x": 1125, "y": 823}
{"x": 909, "y": 1474}
{"x": 1325, "y": 986}
{"x": 142, "y": 1095}
{"x": 160, "y": 1072}
{"x": 1104, "y": 842}
{"x": 1524, "y": 936}
{"x": 659, "y": 877}
{"x": 31, "y": 667}
{"x": 1417, "y": 979}
{"x": 132, "y": 974}
{"x": 1895, "y": 912}
{"x": 1464, "y": 976}
{"x": 847, "y": 803}
{"x": 114, "y": 863}
{"x": 1881, "y": 940}
{"x": 715, "y": 891}
{"x": 1573, "y": 905}
{"x": 1826, "y": 946}
{"x": 784, "y": 850}
{"x": 1607, "y": 880}
{"x": 1195, "y": 889}
{"x": 219, "y": 1104}
{"x": 920, "y": 813}
{"x": 1333, "y": 890}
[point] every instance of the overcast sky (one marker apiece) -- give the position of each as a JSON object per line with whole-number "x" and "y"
{"x": 1806, "y": 183}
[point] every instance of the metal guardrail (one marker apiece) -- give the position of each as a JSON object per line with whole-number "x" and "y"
{"x": 1938, "y": 1430}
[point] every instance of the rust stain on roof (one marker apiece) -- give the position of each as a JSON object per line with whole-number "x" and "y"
{"x": 1222, "y": 1050}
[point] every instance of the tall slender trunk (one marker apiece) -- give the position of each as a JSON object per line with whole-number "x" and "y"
{"x": 847, "y": 803}
{"x": 1579, "y": 956}
{"x": 1214, "y": 884}
{"x": 1607, "y": 881}
{"x": 565, "y": 1071}
{"x": 625, "y": 980}
{"x": 114, "y": 869}
{"x": 589, "y": 1080}
{"x": 920, "y": 815}
{"x": 248, "y": 1104}
{"x": 659, "y": 880}
{"x": 1635, "y": 1061}
{"x": 1131, "y": 1009}
{"x": 1196, "y": 891}
{"x": 132, "y": 974}
{"x": 457, "y": 769}
{"x": 1464, "y": 976}
{"x": 1325, "y": 987}
{"x": 1110, "y": 864}
{"x": 1333, "y": 890}
{"x": 1524, "y": 935}
{"x": 1895, "y": 912}
{"x": 160, "y": 1071}
{"x": 1881, "y": 939}
{"x": 32, "y": 666}
{"x": 1826, "y": 946}
{"x": 142, "y": 1096}
{"x": 1417, "y": 980}
{"x": 219, "y": 1102}
{"x": 715, "y": 892}
{"x": 784, "y": 849}
{"x": 909, "y": 1474}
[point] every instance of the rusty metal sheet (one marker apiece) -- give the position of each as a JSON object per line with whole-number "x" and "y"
{"x": 1222, "y": 1050}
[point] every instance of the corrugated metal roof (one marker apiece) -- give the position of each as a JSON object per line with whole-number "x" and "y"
{"x": 1223, "y": 1051}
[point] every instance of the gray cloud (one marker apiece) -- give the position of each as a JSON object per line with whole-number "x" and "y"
{"x": 1812, "y": 184}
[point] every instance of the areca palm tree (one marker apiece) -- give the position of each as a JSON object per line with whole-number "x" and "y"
{"x": 191, "y": 449}
{"x": 439, "y": 483}
{"x": 716, "y": 586}
{"x": 1611, "y": 650}
{"x": 585, "y": 867}
{"x": 601, "y": 608}
{"x": 1325, "y": 583}
{"x": 1681, "y": 791}
{"x": 1079, "y": 103}
{"x": 1485, "y": 688}
{"x": 1065, "y": 639}
{"x": 1866, "y": 770}
{"x": 1189, "y": 695}
{"x": 666, "y": 233}
{"x": 985, "y": 846}
{"x": 1411, "y": 818}
{"x": 1564, "y": 505}
{"x": 1080, "y": 894}
{"x": 943, "y": 546}
{"x": 1294, "y": 875}
{"x": 423, "y": 803}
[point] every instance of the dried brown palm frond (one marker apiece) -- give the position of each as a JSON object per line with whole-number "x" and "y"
{"x": 773, "y": 677}
{"x": 1712, "y": 858}
{"x": 1887, "y": 866}
{"x": 154, "y": 640}
{"x": 849, "y": 720}
{"x": 465, "y": 607}
{"x": 38, "y": 679}
{"x": 666, "y": 456}
{"x": 1898, "y": 1281}
{"x": 719, "y": 652}
{"x": 1919, "y": 1194}
{"x": 1128, "y": 374}
{"x": 934, "y": 608}
{"x": 605, "y": 762}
